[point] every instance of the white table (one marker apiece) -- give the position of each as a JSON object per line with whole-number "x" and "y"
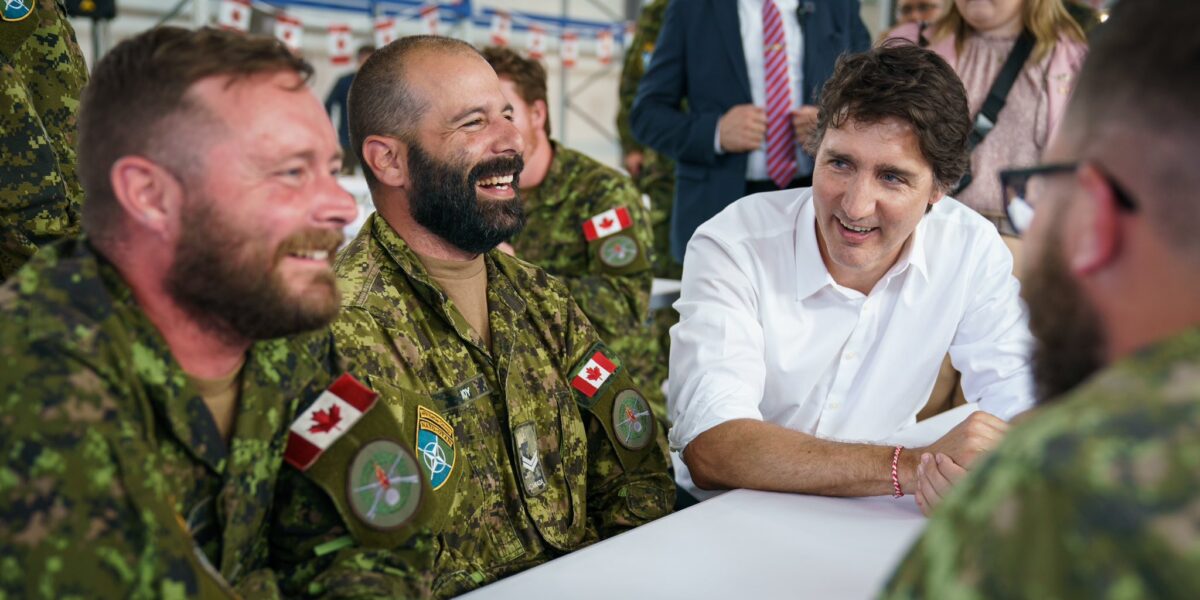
{"x": 742, "y": 544}
{"x": 745, "y": 544}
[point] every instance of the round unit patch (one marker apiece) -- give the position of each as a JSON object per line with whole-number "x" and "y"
{"x": 618, "y": 251}
{"x": 632, "y": 420}
{"x": 385, "y": 485}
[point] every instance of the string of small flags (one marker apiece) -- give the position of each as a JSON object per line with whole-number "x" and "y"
{"x": 235, "y": 15}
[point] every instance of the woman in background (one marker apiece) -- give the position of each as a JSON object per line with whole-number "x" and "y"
{"x": 976, "y": 37}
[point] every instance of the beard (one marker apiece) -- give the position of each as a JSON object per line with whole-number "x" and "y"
{"x": 1069, "y": 345}
{"x": 232, "y": 285}
{"x": 444, "y": 201}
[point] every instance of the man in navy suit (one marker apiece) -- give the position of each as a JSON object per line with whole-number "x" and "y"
{"x": 715, "y": 55}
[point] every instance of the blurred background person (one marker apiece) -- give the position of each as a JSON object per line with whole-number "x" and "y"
{"x": 337, "y": 105}
{"x": 977, "y": 37}
{"x": 918, "y": 11}
{"x": 653, "y": 172}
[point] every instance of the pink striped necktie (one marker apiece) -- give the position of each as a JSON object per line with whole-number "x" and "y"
{"x": 781, "y": 140}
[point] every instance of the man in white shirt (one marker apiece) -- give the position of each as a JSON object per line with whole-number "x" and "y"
{"x": 814, "y": 321}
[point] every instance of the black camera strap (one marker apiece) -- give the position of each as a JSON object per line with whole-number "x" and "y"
{"x": 985, "y": 120}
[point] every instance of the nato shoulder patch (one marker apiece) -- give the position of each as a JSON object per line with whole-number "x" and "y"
{"x": 17, "y": 10}
{"x": 435, "y": 444}
{"x": 632, "y": 420}
{"x": 618, "y": 251}
{"x": 384, "y": 485}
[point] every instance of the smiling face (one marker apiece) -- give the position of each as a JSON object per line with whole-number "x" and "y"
{"x": 263, "y": 213}
{"x": 871, "y": 186}
{"x": 465, "y": 158}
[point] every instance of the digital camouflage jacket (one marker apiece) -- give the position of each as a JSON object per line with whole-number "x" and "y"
{"x": 533, "y": 448}
{"x": 42, "y": 74}
{"x": 1094, "y": 496}
{"x": 115, "y": 480}
{"x": 609, "y": 275}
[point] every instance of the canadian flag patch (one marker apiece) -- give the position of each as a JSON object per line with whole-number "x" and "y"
{"x": 606, "y": 223}
{"x": 593, "y": 374}
{"x": 335, "y": 411}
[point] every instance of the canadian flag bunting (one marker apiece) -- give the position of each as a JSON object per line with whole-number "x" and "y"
{"x": 289, "y": 30}
{"x": 604, "y": 47}
{"x": 385, "y": 31}
{"x": 429, "y": 17}
{"x": 234, "y": 14}
{"x": 606, "y": 223}
{"x": 570, "y": 49}
{"x": 592, "y": 376}
{"x": 537, "y": 42}
{"x": 335, "y": 411}
{"x": 501, "y": 28}
{"x": 339, "y": 44}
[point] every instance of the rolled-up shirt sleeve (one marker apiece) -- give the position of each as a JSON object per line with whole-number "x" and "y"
{"x": 717, "y": 367}
{"x": 992, "y": 345}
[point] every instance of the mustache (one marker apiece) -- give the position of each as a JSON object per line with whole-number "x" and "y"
{"x": 504, "y": 165}
{"x": 311, "y": 239}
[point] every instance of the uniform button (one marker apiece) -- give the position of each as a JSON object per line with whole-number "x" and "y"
{"x": 851, "y": 355}
{"x": 836, "y": 404}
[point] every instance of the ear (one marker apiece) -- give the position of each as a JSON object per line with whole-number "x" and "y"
{"x": 387, "y": 158}
{"x": 149, "y": 194}
{"x": 538, "y": 113}
{"x": 1093, "y": 233}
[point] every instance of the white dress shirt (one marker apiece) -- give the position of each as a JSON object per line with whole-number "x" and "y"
{"x": 765, "y": 333}
{"x": 751, "y": 26}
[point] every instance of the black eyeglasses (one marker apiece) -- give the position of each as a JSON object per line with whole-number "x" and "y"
{"x": 1020, "y": 200}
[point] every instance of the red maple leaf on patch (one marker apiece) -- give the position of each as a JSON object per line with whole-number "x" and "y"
{"x": 606, "y": 223}
{"x": 326, "y": 420}
{"x": 593, "y": 373}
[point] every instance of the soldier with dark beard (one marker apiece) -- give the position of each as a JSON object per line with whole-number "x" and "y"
{"x": 528, "y": 429}
{"x": 1095, "y": 495}
{"x": 146, "y": 387}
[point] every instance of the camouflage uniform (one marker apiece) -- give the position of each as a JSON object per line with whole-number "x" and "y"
{"x": 116, "y": 481}
{"x": 41, "y": 76}
{"x": 524, "y": 468}
{"x": 1094, "y": 496}
{"x": 657, "y": 177}
{"x": 615, "y": 297}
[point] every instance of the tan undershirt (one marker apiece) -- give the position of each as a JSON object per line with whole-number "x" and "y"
{"x": 221, "y": 397}
{"x": 466, "y": 284}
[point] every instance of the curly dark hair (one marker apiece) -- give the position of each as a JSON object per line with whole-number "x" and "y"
{"x": 136, "y": 103}
{"x": 905, "y": 82}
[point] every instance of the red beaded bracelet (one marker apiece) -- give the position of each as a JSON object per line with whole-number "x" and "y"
{"x": 896, "y": 473}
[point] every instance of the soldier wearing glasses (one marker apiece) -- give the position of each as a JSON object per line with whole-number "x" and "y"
{"x": 1095, "y": 495}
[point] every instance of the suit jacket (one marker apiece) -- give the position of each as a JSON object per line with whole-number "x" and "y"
{"x": 699, "y": 58}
